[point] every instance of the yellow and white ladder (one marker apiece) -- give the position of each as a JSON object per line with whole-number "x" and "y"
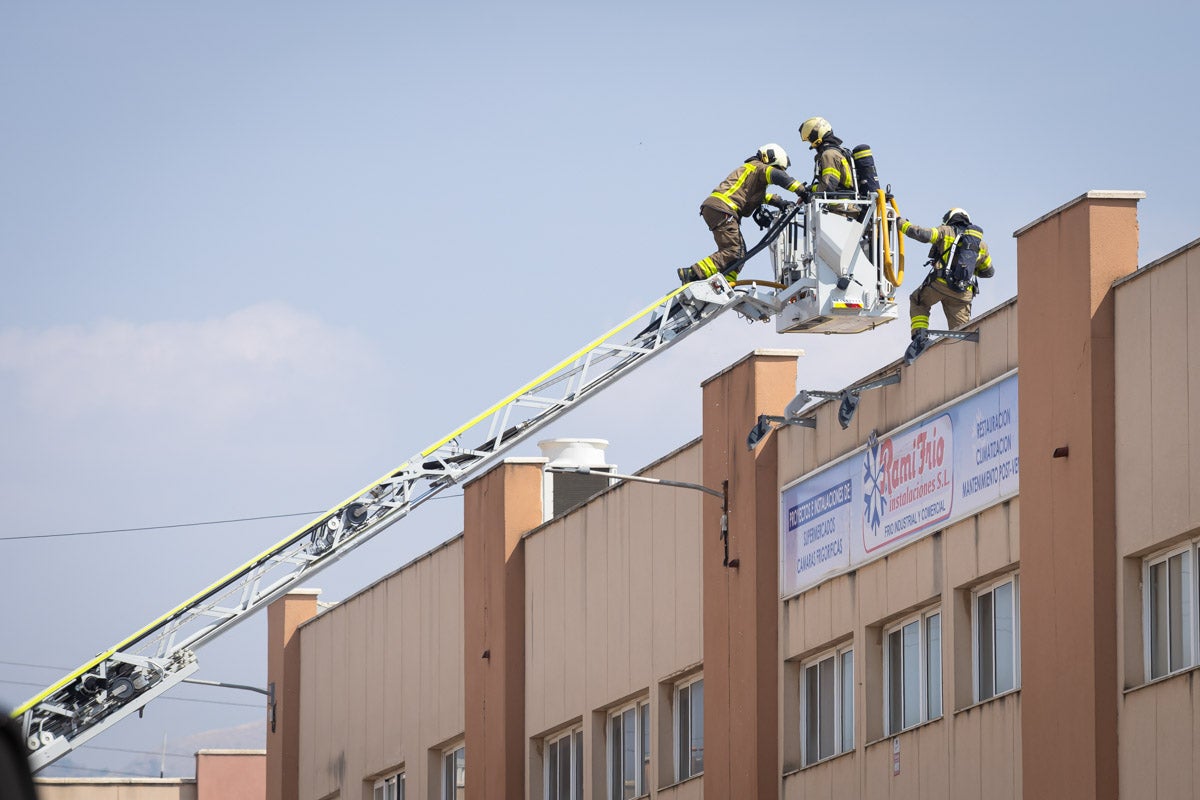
{"x": 122, "y": 679}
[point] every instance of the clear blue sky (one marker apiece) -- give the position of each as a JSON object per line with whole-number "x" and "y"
{"x": 255, "y": 254}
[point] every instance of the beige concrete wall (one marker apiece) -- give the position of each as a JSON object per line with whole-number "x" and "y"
{"x": 220, "y": 775}
{"x": 382, "y": 681}
{"x": 972, "y": 751}
{"x": 116, "y": 789}
{"x": 231, "y": 775}
{"x": 613, "y": 603}
{"x": 1157, "y": 505}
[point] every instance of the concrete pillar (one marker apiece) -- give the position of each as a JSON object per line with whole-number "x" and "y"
{"x": 741, "y": 604}
{"x": 284, "y": 616}
{"x": 498, "y": 508}
{"x": 1066, "y": 264}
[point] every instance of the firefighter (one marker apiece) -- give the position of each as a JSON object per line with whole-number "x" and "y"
{"x": 740, "y": 195}
{"x": 938, "y": 286}
{"x": 831, "y": 164}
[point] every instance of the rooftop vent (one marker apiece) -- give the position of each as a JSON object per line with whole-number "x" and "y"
{"x": 562, "y": 491}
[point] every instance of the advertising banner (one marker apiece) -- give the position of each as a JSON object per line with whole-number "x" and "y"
{"x": 900, "y": 487}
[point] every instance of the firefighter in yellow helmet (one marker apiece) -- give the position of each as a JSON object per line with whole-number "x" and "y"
{"x": 956, "y": 246}
{"x": 741, "y": 194}
{"x": 831, "y": 163}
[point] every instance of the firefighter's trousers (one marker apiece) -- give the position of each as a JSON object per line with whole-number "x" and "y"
{"x": 727, "y": 233}
{"x": 957, "y": 305}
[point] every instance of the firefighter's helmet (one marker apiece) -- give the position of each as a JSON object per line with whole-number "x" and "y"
{"x": 956, "y": 217}
{"x": 814, "y": 130}
{"x": 773, "y": 155}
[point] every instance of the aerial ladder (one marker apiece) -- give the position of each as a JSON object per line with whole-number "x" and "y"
{"x": 819, "y": 287}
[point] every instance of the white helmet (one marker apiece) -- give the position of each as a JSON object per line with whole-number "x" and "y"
{"x": 814, "y": 130}
{"x": 956, "y": 216}
{"x": 773, "y": 155}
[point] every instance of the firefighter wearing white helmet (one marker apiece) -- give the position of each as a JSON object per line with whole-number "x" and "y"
{"x": 956, "y": 216}
{"x": 958, "y": 257}
{"x": 774, "y": 156}
{"x": 831, "y": 163}
{"x": 741, "y": 194}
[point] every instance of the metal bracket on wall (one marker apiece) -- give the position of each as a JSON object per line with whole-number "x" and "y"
{"x": 921, "y": 343}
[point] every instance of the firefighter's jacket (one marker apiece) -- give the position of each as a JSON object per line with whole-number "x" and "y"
{"x": 831, "y": 171}
{"x": 941, "y": 241}
{"x": 746, "y": 188}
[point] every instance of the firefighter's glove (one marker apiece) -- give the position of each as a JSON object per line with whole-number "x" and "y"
{"x": 804, "y": 194}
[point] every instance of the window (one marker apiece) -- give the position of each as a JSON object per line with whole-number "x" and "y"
{"x": 629, "y": 751}
{"x": 454, "y": 774}
{"x": 1169, "y": 596}
{"x": 827, "y": 725}
{"x": 390, "y": 788}
{"x": 689, "y": 729}
{"x": 564, "y": 766}
{"x": 997, "y": 641}
{"x": 912, "y": 676}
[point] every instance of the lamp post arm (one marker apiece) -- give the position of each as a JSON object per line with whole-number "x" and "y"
{"x": 228, "y": 685}
{"x": 723, "y": 495}
{"x": 641, "y": 479}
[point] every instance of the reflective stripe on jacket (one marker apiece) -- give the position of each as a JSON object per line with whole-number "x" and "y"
{"x": 746, "y": 188}
{"x": 831, "y": 171}
{"x": 941, "y": 241}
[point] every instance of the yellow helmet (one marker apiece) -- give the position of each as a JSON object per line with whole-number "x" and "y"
{"x": 773, "y": 155}
{"x": 814, "y": 130}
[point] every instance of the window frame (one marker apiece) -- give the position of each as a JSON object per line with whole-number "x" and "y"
{"x": 448, "y": 791}
{"x": 573, "y": 735}
{"x": 989, "y": 588}
{"x": 924, "y": 715}
{"x": 840, "y": 714}
{"x": 688, "y": 685}
{"x": 643, "y": 743}
{"x": 1189, "y": 594}
{"x": 395, "y": 781}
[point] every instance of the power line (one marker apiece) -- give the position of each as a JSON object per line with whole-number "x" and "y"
{"x": 22, "y": 683}
{"x": 177, "y": 525}
{"x": 35, "y": 666}
{"x": 135, "y": 752}
{"x": 104, "y": 770}
{"x": 157, "y": 527}
{"x": 259, "y": 706}
{"x": 176, "y": 699}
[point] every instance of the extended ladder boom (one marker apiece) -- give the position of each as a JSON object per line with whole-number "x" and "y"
{"x": 124, "y": 678}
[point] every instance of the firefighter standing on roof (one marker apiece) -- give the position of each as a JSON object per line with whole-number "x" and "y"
{"x": 740, "y": 195}
{"x": 938, "y": 286}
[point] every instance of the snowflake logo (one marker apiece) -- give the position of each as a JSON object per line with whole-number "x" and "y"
{"x": 874, "y": 496}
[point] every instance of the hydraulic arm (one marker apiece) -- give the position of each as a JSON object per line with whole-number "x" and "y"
{"x": 822, "y": 261}
{"x": 122, "y": 679}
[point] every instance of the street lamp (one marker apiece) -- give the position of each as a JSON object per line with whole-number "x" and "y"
{"x": 723, "y": 494}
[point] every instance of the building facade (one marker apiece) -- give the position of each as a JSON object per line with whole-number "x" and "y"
{"x": 220, "y": 775}
{"x": 983, "y": 586}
